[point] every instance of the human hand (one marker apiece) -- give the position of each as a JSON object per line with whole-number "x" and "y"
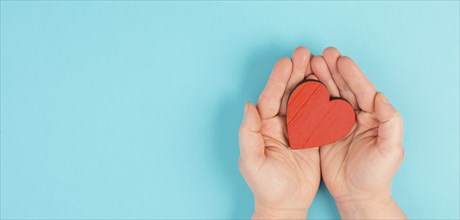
{"x": 284, "y": 182}
{"x": 359, "y": 168}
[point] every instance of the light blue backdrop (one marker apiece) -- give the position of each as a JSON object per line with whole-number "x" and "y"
{"x": 131, "y": 109}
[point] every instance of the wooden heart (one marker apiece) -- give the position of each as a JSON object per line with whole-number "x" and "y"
{"x": 314, "y": 118}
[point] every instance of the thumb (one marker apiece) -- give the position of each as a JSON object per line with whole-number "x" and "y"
{"x": 390, "y": 133}
{"x": 251, "y": 141}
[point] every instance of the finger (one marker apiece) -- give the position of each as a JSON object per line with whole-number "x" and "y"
{"x": 270, "y": 100}
{"x": 309, "y": 72}
{"x": 390, "y": 132}
{"x": 361, "y": 86}
{"x": 312, "y": 76}
{"x": 251, "y": 140}
{"x": 300, "y": 60}
{"x": 331, "y": 55}
{"x": 319, "y": 67}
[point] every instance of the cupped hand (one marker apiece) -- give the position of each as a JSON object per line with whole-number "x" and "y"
{"x": 359, "y": 168}
{"x": 284, "y": 182}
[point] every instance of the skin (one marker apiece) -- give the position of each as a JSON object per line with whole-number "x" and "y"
{"x": 357, "y": 169}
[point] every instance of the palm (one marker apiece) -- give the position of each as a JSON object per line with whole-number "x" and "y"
{"x": 349, "y": 164}
{"x": 293, "y": 175}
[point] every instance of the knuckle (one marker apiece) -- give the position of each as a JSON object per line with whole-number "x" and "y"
{"x": 241, "y": 132}
{"x": 400, "y": 154}
{"x": 398, "y": 115}
{"x": 240, "y": 165}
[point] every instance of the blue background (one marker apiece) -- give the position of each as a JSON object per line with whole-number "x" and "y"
{"x": 131, "y": 109}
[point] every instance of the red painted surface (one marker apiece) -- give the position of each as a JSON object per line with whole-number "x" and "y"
{"x": 313, "y": 120}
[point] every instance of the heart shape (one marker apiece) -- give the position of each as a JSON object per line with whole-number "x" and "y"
{"x": 314, "y": 118}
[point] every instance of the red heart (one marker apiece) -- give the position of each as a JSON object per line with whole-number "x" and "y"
{"x": 314, "y": 118}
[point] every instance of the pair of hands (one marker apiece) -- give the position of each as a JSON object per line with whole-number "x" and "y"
{"x": 357, "y": 169}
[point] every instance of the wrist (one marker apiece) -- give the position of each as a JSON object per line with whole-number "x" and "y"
{"x": 264, "y": 212}
{"x": 378, "y": 207}
{"x": 358, "y": 208}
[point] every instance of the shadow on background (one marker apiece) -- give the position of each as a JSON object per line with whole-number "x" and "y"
{"x": 227, "y": 122}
